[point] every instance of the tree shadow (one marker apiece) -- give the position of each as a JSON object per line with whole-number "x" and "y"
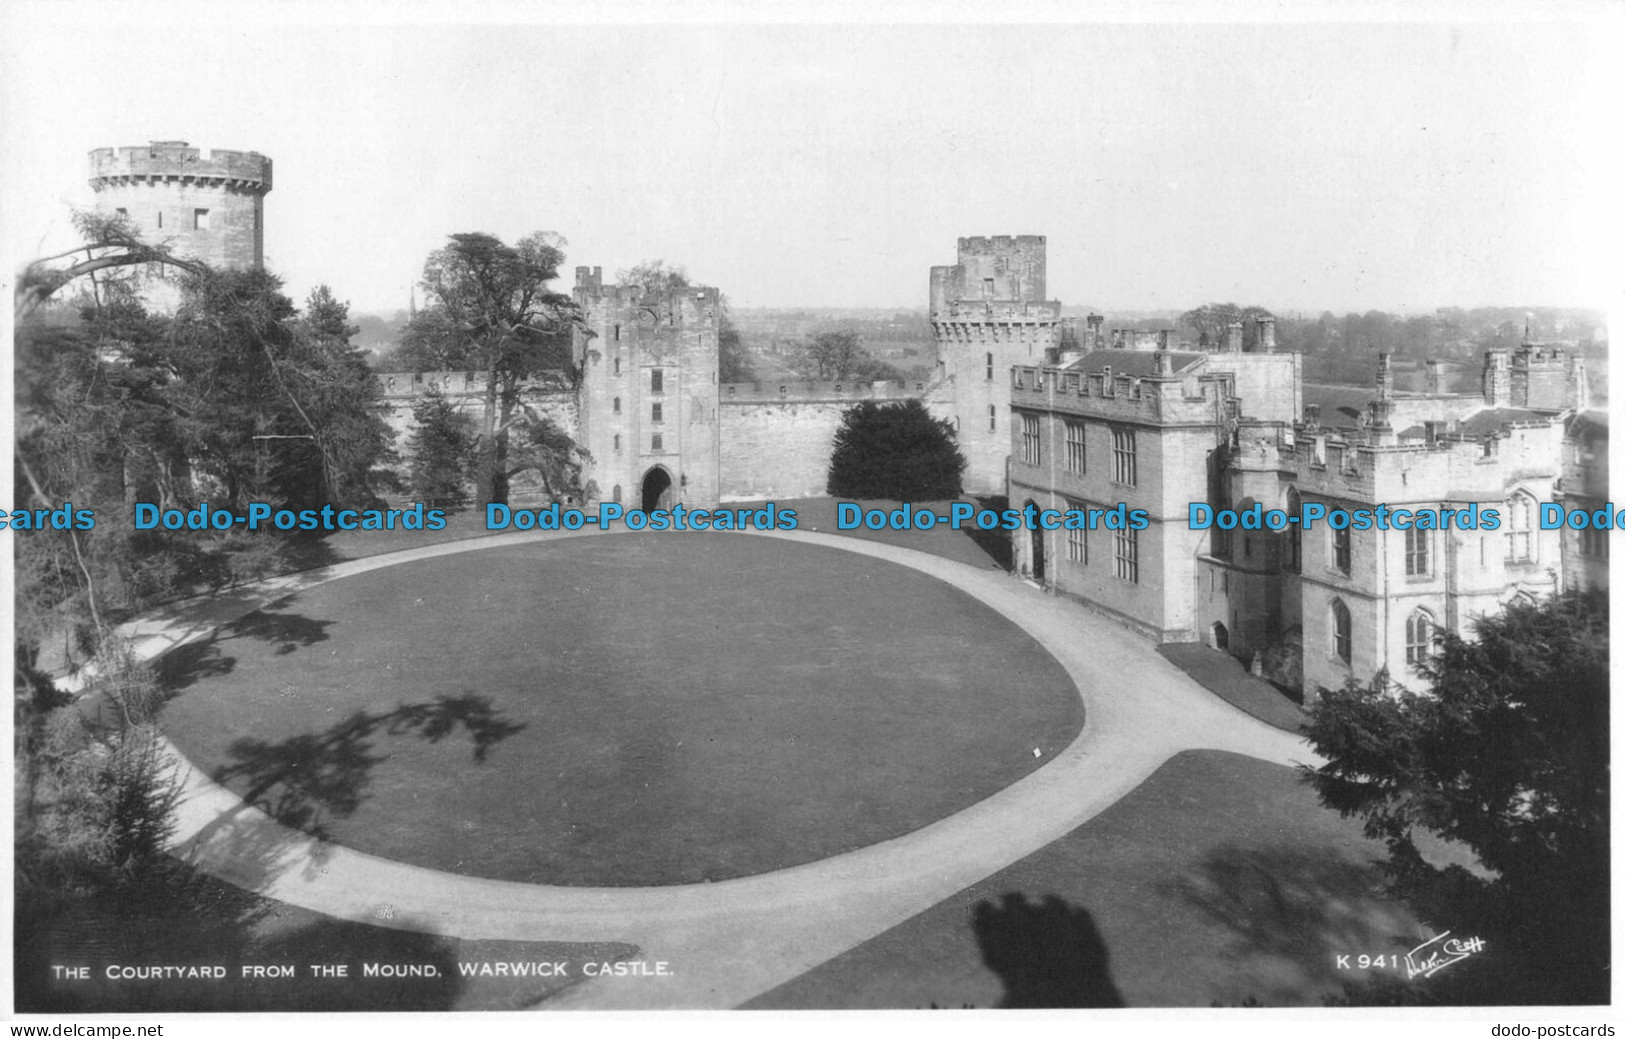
{"x": 1290, "y": 914}
{"x": 1047, "y": 954}
{"x": 300, "y": 780}
{"x": 304, "y": 781}
{"x": 207, "y": 658}
{"x": 1291, "y": 904}
{"x": 995, "y": 543}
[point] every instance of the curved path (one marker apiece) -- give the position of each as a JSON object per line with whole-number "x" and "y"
{"x": 727, "y": 942}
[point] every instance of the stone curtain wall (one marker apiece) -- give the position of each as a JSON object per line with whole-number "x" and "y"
{"x": 777, "y": 437}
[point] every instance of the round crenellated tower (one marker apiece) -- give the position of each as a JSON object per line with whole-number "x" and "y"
{"x": 202, "y": 207}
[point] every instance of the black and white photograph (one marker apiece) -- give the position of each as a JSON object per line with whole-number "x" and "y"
{"x": 810, "y": 507}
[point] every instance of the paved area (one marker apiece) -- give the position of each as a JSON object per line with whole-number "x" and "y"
{"x": 727, "y": 942}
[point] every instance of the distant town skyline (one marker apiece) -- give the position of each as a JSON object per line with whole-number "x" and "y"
{"x": 1341, "y": 166}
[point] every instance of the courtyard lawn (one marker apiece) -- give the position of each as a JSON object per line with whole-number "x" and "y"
{"x": 1218, "y": 880}
{"x": 621, "y": 709}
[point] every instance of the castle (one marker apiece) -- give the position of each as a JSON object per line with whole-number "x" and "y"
{"x": 1158, "y": 428}
{"x": 203, "y": 208}
{"x": 1061, "y": 419}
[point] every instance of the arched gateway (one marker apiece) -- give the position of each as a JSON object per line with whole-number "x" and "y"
{"x": 656, "y": 489}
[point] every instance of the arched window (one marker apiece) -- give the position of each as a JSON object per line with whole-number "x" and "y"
{"x": 617, "y": 447}
{"x": 617, "y": 494}
{"x": 617, "y": 406}
{"x": 1520, "y": 528}
{"x": 1294, "y": 534}
{"x": 1419, "y": 629}
{"x": 617, "y": 360}
{"x": 1342, "y": 632}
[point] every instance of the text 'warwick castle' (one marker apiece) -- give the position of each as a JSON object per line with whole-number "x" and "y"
{"x": 1062, "y": 417}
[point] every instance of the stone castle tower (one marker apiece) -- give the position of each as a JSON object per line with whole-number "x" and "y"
{"x": 649, "y": 394}
{"x": 202, "y": 208}
{"x": 988, "y": 313}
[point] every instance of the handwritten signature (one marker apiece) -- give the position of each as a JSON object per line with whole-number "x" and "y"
{"x": 1436, "y": 954}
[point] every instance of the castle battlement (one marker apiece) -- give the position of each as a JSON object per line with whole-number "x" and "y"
{"x": 176, "y": 160}
{"x": 1449, "y": 467}
{"x": 802, "y": 391}
{"x": 1158, "y": 400}
{"x": 1003, "y": 244}
{"x": 959, "y": 316}
{"x": 412, "y": 385}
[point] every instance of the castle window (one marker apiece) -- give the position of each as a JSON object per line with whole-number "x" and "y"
{"x": 1342, "y": 632}
{"x": 1520, "y": 536}
{"x": 1594, "y": 543}
{"x": 992, "y": 418}
{"x": 1077, "y": 542}
{"x": 160, "y": 218}
{"x": 656, "y": 412}
{"x": 1030, "y": 444}
{"x": 1419, "y": 627}
{"x": 200, "y": 220}
{"x": 987, "y": 288}
{"x": 616, "y": 407}
{"x": 657, "y": 381}
{"x": 1294, "y": 536}
{"x": 990, "y": 365}
{"x": 1125, "y": 467}
{"x": 1416, "y": 552}
{"x": 657, "y": 442}
{"x": 617, "y": 339}
{"x": 617, "y": 366}
{"x": 617, "y": 447}
{"x": 617, "y": 489}
{"x": 1128, "y": 555}
{"x": 1343, "y": 550}
{"x": 1076, "y": 461}
{"x": 121, "y": 211}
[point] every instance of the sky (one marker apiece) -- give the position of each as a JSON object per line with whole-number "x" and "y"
{"x": 816, "y": 157}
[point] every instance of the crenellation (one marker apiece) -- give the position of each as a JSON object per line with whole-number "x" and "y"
{"x": 205, "y": 208}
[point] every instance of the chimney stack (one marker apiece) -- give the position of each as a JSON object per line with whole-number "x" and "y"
{"x": 1266, "y": 335}
{"x": 1232, "y": 338}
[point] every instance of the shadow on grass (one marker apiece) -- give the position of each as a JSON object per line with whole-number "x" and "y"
{"x": 1297, "y": 906}
{"x": 303, "y": 781}
{"x": 205, "y": 659}
{"x": 1047, "y": 954}
{"x": 996, "y": 543}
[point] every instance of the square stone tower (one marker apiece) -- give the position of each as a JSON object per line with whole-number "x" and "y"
{"x": 988, "y": 313}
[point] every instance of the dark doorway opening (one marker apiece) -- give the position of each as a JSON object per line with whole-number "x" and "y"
{"x": 1221, "y": 636}
{"x": 656, "y": 489}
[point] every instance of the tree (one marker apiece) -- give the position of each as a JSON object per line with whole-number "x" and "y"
{"x": 110, "y": 242}
{"x": 733, "y": 358}
{"x": 1507, "y": 754}
{"x": 656, "y": 276}
{"x": 832, "y": 355}
{"x": 1211, "y": 320}
{"x": 895, "y": 450}
{"x": 440, "y": 446}
{"x": 495, "y": 313}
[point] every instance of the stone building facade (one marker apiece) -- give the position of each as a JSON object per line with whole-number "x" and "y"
{"x": 1310, "y": 608}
